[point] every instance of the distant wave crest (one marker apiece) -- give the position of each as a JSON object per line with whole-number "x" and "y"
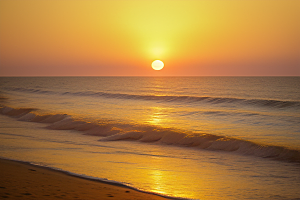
{"x": 152, "y": 134}
{"x": 169, "y": 98}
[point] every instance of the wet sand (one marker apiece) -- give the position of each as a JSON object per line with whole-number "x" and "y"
{"x": 24, "y": 181}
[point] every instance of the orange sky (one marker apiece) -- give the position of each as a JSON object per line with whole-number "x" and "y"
{"x": 123, "y": 37}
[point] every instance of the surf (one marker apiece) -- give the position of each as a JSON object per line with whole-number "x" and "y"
{"x": 183, "y": 99}
{"x": 110, "y": 131}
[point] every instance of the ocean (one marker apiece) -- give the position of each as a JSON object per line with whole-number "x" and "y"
{"x": 184, "y": 137}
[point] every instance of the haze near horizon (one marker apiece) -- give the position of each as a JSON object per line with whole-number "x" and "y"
{"x": 123, "y": 38}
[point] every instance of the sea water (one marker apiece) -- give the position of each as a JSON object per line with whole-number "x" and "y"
{"x": 190, "y": 137}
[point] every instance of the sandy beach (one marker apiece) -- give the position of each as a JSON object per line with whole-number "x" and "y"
{"x": 25, "y": 181}
{"x": 209, "y": 138}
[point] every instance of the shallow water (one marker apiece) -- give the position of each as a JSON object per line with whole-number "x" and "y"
{"x": 196, "y": 137}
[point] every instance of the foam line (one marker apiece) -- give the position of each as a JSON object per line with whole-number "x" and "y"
{"x": 152, "y": 134}
{"x": 272, "y": 103}
{"x": 101, "y": 180}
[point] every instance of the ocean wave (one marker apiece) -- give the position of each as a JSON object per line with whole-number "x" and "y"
{"x": 30, "y": 90}
{"x": 272, "y": 103}
{"x": 152, "y": 134}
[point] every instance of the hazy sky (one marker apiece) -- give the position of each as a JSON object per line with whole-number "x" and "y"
{"x": 123, "y": 37}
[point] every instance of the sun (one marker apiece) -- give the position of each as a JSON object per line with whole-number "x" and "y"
{"x": 157, "y": 65}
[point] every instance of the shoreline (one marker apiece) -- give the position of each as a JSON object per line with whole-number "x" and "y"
{"x": 22, "y": 180}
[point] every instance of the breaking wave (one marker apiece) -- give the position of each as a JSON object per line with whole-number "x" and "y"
{"x": 169, "y": 98}
{"x": 152, "y": 134}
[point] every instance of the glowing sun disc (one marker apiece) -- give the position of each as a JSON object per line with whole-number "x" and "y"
{"x": 157, "y": 65}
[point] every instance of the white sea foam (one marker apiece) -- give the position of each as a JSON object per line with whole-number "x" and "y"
{"x": 202, "y": 133}
{"x": 153, "y": 134}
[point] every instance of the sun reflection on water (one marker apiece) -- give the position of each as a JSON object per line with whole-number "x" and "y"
{"x": 163, "y": 174}
{"x": 159, "y": 116}
{"x": 157, "y": 178}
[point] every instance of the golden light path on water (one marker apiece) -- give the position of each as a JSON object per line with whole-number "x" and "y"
{"x": 156, "y": 166}
{"x": 165, "y": 169}
{"x": 164, "y": 172}
{"x": 159, "y": 116}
